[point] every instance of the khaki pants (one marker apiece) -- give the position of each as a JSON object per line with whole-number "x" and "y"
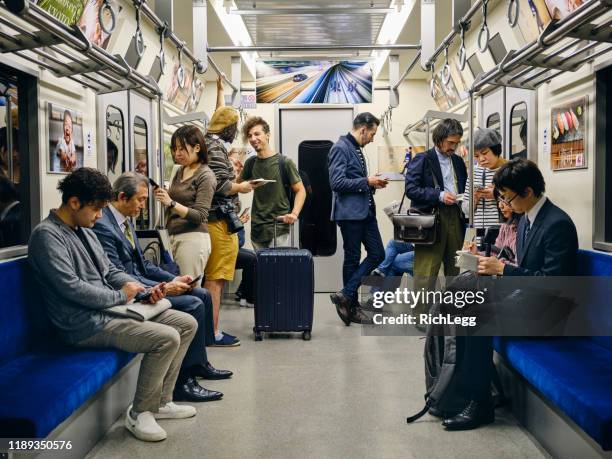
{"x": 191, "y": 252}
{"x": 429, "y": 258}
{"x": 163, "y": 340}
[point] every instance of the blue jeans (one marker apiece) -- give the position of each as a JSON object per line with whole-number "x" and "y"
{"x": 399, "y": 259}
{"x": 355, "y": 233}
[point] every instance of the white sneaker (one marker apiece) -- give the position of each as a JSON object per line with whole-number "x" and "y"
{"x": 173, "y": 411}
{"x": 245, "y": 304}
{"x": 144, "y": 427}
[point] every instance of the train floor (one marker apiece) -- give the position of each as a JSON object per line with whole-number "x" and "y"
{"x": 339, "y": 395}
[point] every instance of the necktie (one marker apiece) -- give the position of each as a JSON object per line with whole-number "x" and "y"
{"x": 527, "y": 229}
{"x": 128, "y": 233}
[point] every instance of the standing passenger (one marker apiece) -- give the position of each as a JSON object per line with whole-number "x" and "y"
{"x": 433, "y": 180}
{"x": 225, "y": 204}
{"x": 354, "y": 210}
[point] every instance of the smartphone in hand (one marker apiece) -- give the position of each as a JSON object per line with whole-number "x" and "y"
{"x": 194, "y": 283}
{"x": 153, "y": 183}
{"x": 244, "y": 212}
{"x": 143, "y": 297}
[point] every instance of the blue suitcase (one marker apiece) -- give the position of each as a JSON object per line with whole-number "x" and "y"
{"x": 284, "y": 291}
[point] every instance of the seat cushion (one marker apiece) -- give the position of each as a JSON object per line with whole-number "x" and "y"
{"x": 592, "y": 263}
{"x": 575, "y": 374}
{"x": 40, "y": 390}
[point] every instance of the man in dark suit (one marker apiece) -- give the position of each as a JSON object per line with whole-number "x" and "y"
{"x": 354, "y": 210}
{"x": 547, "y": 245}
{"x": 120, "y": 242}
{"x": 433, "y": 180}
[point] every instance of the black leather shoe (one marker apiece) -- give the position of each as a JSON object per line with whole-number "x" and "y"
{"x": 441, "y": 414}
{"x": 473, "y": 415}
{"x": 190, "y": 391}
{"x": 359, "y": 317}
{"x": 369, "y": 306}
{"x": 342, "y": 306}
{"x": 209, "y": 372}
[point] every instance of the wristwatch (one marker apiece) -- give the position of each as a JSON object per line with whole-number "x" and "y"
{"x": 172, "y": 204}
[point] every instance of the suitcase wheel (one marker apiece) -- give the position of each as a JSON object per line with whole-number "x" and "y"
{"x": 258, "y": 336}
{"x": 306, "y": 335}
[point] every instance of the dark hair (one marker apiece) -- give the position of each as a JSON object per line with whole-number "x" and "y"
{"x": 192, "y": 136}
{"x": 8, "y": 192}
{"x": 515, "y": 216}
{"x": 496, "y": 149}
{"x": 89, "y": 185}
{"x": 445, "y": 129}
{"x": 365, "y": 119}
{"x": 128, "y": 184}
{"x": 229, "y": 132}
{"x": 519, "y": 174}
{"x": 251, "y": 122}
{"x": 523, "y": 132}
{"x": 112, "y": 154}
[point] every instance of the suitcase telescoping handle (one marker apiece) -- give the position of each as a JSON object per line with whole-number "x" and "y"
{"x": 280, "y": 219}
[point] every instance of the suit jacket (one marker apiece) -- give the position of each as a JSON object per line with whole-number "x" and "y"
{"x": 123, "y": 256}
{"x": 349, "y": 184}
{"x": 551, "y": 247}
{"x": 77, "y": 286}
{"x": 420, "y": 186}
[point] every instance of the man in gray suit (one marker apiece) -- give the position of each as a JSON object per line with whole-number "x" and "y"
{"x": 79, "y": 284}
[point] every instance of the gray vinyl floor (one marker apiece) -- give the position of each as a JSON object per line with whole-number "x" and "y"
{"x": 339, "y": 395}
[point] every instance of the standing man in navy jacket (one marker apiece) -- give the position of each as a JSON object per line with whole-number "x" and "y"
{"x": 354, "y": 210}
{"x": 433, "y": 180}
{"x": 120, "y": 242}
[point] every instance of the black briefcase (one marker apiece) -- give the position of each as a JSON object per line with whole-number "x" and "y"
{"x": 417, "y": 227}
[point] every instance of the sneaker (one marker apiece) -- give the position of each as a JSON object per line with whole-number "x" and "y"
{"x": 245, "y": 304}
{"x": 377, "y": 272}
{"x": 144, "y": 427}
{"x": 173, "y": 411}
{"x": 226, "y": 341}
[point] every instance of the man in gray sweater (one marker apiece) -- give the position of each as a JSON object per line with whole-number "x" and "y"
{"x": 79, "y": 284}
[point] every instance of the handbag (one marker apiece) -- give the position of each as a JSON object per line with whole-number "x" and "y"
{"x": 416, "y": 226}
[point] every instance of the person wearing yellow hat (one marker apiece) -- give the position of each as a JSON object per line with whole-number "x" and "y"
{"x": 222, "y": 221}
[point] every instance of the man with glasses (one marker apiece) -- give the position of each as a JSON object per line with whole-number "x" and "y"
{"x": 433, "y": 180}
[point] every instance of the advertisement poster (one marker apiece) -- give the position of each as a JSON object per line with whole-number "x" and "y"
{"x": 533, "y": 18}
{"x": 568, "y": 135}
{"x": 66, "y": 11}
{"x": 314, "y": 82}
{"x": 439, "y": 94}
{"x": 560, "y": 9}
{"x": 89, "y": 22}
{"x": 188, "y": 97}
{"x": 65, "y": 139}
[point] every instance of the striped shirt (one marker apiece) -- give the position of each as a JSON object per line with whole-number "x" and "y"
{"x": 485, "y": 211}
{"x": 221, "y": 165}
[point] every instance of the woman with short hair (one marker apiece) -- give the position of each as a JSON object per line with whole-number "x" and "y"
{"x": 188, "y": 201}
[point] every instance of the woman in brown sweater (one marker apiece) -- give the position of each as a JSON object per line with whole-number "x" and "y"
{"x": 188, "y": 201}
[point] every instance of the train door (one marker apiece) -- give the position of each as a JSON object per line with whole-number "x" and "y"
{"x": 492, "y": 112}
{"x": 125, "y": 118}
{"x": 520, "y": 136}
{"x": 306, "y": 135}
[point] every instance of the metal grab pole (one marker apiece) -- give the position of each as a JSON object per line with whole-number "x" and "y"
{"x": 215, "y": 67}
{"x": 410, "y": 67}
{"x": 471, "y": 156}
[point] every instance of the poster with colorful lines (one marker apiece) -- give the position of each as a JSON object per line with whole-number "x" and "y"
{"x": 314, "y": 82}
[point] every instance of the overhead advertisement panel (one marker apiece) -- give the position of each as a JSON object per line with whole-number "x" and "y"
{"x": 314, "y": 82}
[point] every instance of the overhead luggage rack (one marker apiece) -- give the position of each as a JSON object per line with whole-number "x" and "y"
{"x": 564, "y": 46}
{"x": 429, "y": 120}
{"x": 38, "y": 37}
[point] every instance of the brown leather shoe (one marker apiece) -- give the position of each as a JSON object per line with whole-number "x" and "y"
{"x": 359, "y": 317}
{"x": 342, "y": 306}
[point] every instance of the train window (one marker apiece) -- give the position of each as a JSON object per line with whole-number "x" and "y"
{"x": 14, "y": 201}
{"x": 474, "y": 65}
{"x": 115, "y": 143}
{"x": 602, "y": 238}
{"x": 494, "y": 122}
{"x": 518, "y": 131}
{"x": 497, "y": 48}
{"x": 141, "y": 161}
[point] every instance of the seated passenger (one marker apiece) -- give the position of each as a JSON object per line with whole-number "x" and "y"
{"x": 246, "y": 261}
{"x": 399, "y": 259}
{"x": 79, "y": 283}
{"x": 547, "y": 245}
{"x": 120, "y": 242}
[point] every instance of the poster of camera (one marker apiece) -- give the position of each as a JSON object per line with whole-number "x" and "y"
{"x": 86, "y": 15}
{"x": 65, "y": 134}
{"x": 568, "y": 133}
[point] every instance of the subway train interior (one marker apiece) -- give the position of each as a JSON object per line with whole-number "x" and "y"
{"x": 134, "y": 137}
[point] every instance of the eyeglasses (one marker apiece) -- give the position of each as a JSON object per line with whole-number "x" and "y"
{"x": 452, "y": 145}
{"x": 506, "y": 200}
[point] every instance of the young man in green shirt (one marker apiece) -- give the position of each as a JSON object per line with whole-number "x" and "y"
{"x": 270, "y": 200}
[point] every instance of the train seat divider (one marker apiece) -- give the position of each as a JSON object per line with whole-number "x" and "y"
{"x": 575, "y": 373}
{"x": 42, "y": 381}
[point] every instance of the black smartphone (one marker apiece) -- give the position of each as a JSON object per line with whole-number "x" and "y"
{"x": 196, "y": 281}
{"x": 153, "y": 183}
{"x": 143, "y": 296}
